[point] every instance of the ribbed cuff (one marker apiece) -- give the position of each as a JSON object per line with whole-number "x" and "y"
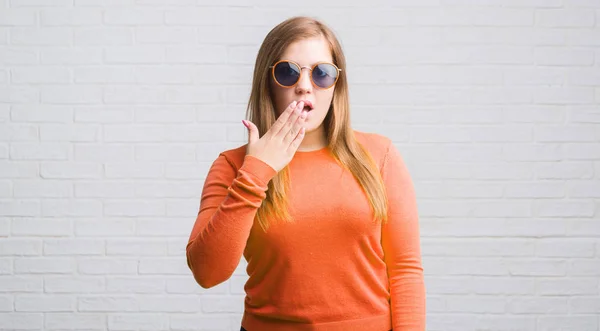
{"x": 258, "y": 168}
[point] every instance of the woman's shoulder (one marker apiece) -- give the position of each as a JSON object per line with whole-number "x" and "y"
{"x": 376, "y": 143}
{"x": 234, "y": 156}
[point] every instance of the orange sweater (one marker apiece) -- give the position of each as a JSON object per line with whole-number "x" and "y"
{"x": 333, "y": 269}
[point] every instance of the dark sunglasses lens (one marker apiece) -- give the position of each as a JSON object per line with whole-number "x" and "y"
{"x": 324, "y": 75}
{"x": 287, "y": 73}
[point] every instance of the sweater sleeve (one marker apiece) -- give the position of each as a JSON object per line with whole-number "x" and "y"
{"x": 401, "y": 246}
{"x": 229, "y": 202}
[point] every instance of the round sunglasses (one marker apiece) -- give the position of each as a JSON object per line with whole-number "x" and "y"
{"x": 323, "y": 75}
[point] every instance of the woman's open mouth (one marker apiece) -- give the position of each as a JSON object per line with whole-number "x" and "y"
{"x": 308, "y": 106}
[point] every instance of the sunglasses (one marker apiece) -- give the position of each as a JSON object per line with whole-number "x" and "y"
{"x": 287, "y": 74}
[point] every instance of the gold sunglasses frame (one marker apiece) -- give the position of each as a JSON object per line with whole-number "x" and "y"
{"x": 302, "y": 72}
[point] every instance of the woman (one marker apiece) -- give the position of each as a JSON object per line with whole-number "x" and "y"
{"x": 325, "y": 215}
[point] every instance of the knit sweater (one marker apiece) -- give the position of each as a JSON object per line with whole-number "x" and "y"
{"x": 333, "y": 268}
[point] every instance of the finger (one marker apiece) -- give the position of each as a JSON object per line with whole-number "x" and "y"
{"x": 287, "y": 126}
{"x": 280, "y": 122}
{"x": 296, "y": 143}
{"x": 289, "y": 137}
{"x": 252, "y": 132}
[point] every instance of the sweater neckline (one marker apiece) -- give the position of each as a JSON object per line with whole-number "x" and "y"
{"x": 316, "y": 151}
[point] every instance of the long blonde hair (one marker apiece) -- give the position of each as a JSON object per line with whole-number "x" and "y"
{"x": 342, "y": 143}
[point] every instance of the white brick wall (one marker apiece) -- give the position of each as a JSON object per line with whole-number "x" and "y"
{"x": 111, "y": 112}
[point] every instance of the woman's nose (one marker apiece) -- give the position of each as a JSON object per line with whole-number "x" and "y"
{"x": 305, "y": 84}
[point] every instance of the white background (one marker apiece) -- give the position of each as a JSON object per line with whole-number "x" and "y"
{"x": 111, "y": 113}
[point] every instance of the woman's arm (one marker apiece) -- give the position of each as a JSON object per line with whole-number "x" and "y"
{"x": 401, "y": 245}
{"x": 228, "y": 205}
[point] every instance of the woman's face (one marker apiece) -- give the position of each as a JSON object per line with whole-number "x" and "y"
{"x": 305, "y": 52}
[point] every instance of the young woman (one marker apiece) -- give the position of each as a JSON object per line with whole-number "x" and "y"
{"x": 325, "y": 215}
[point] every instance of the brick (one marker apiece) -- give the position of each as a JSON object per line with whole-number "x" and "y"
{"x": 37, "y": 3}
{"x": 160, "y": 152}
{"x": 78, "y": 321}
{"x": 173, "y": 304}
{"x": 19, "y": 132}
{"x": 73, "y": 247}
{"x": 584, "y": 267}
{"x": 103, "y": 114}
{"x": 560, "y": 208}
{"x": 44, "y": 265}
{"x": 21, "y": 207}
{"x": 553, "y": 56}
{"x": 155, "y": 227}
{"x": 41, "y": 113}
{"x": 138, "y": 247}
{"x": 162, "y": 114}
{"x": 41, "y": 227}
{"x": 42, "y": 189}
{"x": 18, "y": 55}
{"x": 19, "y": 94}
{"x": 71, "y": 55}
{"x": 166, "y": 35}
{"x": 135, "y": 284}
{"x": 568, "y": 287}
{"x": 113, "y": 227}
{"x": 133, "y": 208}
{"x": 539, "y": 267}
{"x": 564, "y": 17}
{"x": 70, "y": 170}
{"x": 48, "y": 36}
{"x": 6, "y": 304}
{"x": 21, "y": 284}
{"x": 191, "y": 321}
{"x": 71, "y": 94}
{"x": 44, "y": 303}
{"x": 134, "y": 170}
{"x": 20, "y": 247}
{"x": 477, "y": 304}
{"x": 22, "y": 321}
{"x": 564, "y": 248}
{"x": 584, "y": 305}
{"x": 103, "y": 36}
{"x": 537, "y": 305}
{"x": 74, "y": 285}
{"x": 103, "y": 74}
{"x": 103, "y": 152}
{"x": 477, "y": 247}
{"x": 139, "y": 321}
{"x": 501, "y": 285}
{"x": 71, "y": 133}
{"x": 134, "y": 55}
{"x": 39, "y": 151}
{"x": 104, "y": 189}
{"x": 564, "y": 170}
{"x": 571, "y": 133}
{"x": 107, "y": 266}
{"x": 70, "y": 17}
{"x": 107, "y": 304}
{"x": 563, "y": 95}
{"x": 71, "y": 207}
{"x": 579, "y": 323}
{"x": 17, "y": 17}
{"x": 137, "y": 16}
{"x": 163, "y": 266}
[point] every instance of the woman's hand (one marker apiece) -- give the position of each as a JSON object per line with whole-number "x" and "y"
{"x": 279, "y": 144}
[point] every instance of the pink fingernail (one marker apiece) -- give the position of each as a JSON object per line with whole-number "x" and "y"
{"x": 245, "y": 124}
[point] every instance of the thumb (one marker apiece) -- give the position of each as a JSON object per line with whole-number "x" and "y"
{"x": 252, "y": 131}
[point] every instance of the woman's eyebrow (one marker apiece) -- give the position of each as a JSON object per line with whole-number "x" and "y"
{"x": 309, "y": 65}
{"x": 312, "y": 64}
